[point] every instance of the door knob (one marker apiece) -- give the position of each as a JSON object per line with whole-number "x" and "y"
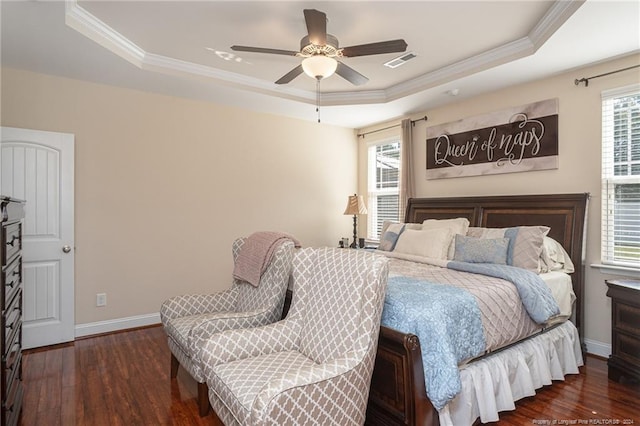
{"x": 66, "y": 249}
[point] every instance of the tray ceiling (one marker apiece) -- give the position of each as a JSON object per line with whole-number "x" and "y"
{"x": 183, "y": 48}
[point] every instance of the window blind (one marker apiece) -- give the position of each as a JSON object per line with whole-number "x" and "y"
{"x": 621, "y": 176}
{"x": 384, "y": 190}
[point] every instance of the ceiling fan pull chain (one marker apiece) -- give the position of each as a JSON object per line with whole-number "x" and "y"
{"x": 318, "y": 98}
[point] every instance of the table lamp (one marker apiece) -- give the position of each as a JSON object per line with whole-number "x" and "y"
{"x": 355, "y": 206}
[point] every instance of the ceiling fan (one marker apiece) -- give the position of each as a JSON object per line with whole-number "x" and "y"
{"x": 321, "y": 50}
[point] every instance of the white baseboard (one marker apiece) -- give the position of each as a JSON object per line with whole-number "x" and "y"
{"x": 598, "y": 348}
{"x": 118, "y": 324}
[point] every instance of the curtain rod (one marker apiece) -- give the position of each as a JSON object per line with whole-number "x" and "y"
{"x": 586, "y": 80}
{"x": 413, "y": 122}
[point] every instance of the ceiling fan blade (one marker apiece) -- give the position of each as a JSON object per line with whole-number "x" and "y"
{"x": 350, "y": 74}
{"x": 316, "y": 26}
{"x": 290, "y": 75}
{"x": 264, "y": 50}
{"x": 390, "y": 46}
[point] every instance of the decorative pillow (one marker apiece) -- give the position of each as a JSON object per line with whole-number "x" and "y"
{"x": 481, "y": 250}
{"x": 525, "y": 245}
{"x": 459, "y": 225}
{"x": 431, "y": 243}
{"x": 390, "y": 236}
{"x": 554, "y": 257}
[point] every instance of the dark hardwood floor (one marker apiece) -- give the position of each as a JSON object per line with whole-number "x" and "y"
{"x": 123, "y": 379}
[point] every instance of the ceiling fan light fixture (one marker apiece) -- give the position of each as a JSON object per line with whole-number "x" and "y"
{"x": 319, "y": 66}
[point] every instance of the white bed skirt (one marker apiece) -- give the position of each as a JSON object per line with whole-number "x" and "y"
{"x": 492, "y": 384}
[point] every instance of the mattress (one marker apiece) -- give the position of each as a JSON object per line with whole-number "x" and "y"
{"x": 562, "y": 291}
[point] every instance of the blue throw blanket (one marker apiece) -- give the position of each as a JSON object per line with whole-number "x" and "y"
{"x": 447, "y": 321}
{"x": 534, "y": 292}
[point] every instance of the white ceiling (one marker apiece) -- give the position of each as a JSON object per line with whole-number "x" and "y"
{"x": 183, "y": 48}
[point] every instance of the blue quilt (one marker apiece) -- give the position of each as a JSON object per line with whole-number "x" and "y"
{"x": 447, "y": 321}
{"x": 534, "y": 292}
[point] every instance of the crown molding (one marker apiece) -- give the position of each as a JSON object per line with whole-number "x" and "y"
{"x": 93, "y": 28}
{"x": 483, "y": 61}
{"x": 557, "y": 15}
{"x": 90, "y": 26}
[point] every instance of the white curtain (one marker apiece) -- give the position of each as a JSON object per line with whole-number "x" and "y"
{"x": 407, "y": 186}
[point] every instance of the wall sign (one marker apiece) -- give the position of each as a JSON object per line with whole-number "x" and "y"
{"x": 518, "y": 139}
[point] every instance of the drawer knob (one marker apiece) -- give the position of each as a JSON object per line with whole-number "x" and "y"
{"x": 13, "y": 240}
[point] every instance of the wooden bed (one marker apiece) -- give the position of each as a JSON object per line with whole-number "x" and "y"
{"x": 398, "y": 395}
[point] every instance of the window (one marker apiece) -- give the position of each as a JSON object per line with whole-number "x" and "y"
{"x": 384, "y": 180}
{"x": 621, "y": 177}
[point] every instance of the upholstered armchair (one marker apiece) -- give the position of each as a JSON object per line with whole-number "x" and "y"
{"x": 315, "y": 366}
{"x": 190, "y": 319}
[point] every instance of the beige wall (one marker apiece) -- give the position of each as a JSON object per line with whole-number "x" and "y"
{"x": 163, "y": 185}
{"x": 579, "y": 158}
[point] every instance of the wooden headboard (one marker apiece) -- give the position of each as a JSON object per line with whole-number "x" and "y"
{"x": 565, "y": 214}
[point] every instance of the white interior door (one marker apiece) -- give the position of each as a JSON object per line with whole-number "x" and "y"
{"x": 38, "y": 166}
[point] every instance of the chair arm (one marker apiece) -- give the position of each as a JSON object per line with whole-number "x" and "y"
{"x": 333, "y": 377}
{"x": 238, "y": 344}
{"x": 195, "y": 304}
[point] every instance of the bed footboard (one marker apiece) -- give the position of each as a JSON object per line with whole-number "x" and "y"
{"x": 398, "y": 395}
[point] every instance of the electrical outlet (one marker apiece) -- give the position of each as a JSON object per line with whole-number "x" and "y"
{"x": 101, "y": 299}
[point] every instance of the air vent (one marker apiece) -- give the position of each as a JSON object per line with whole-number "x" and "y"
{"x": 395, "y": 63}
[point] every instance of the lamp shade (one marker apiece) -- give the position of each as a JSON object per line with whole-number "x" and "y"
{"x": 319, "y": 66}
{"x": 355, "y": 205}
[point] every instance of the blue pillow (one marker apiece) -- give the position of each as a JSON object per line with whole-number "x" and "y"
{"x": 481, "y": 250}
{"x": 389, "y": 239}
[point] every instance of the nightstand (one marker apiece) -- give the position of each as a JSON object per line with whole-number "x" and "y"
{"x": 625, "y": 329}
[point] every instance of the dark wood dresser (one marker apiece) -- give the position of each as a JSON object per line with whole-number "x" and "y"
{"x": 625, "y": 329}
{"x": 11, "y": 214}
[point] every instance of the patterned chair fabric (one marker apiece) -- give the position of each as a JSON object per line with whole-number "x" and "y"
{"x": 190, "y": 319}
{"x": 315, "y": 366}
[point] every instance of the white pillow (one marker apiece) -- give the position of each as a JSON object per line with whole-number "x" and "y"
{"x": 554, "y": 257}
{"x": 431, "y": 243}
{"x": 459, "y": 225}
